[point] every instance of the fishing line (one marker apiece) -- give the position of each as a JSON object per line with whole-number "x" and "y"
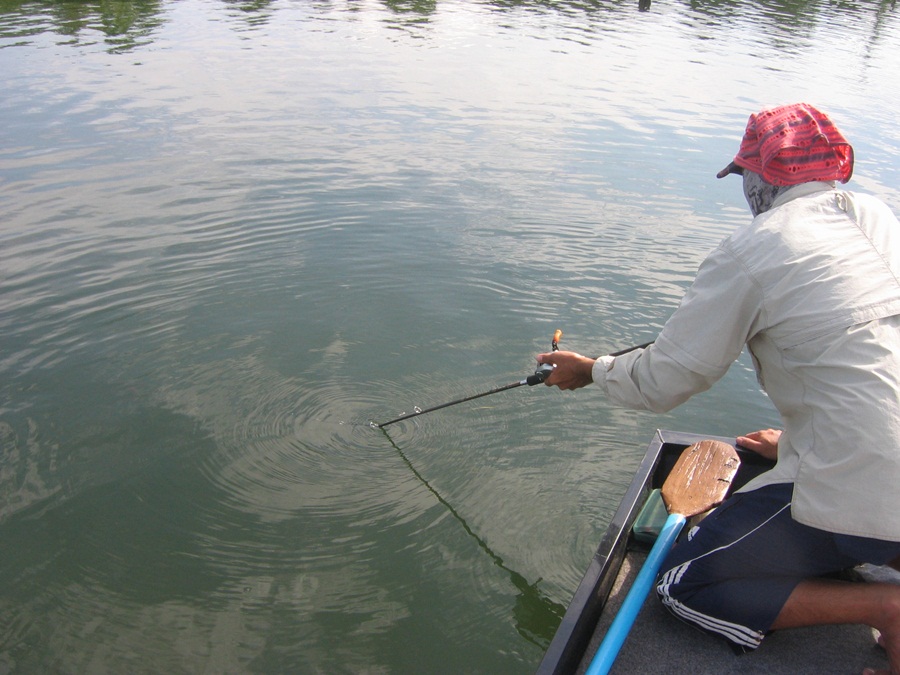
{"x": 536, "y": 615}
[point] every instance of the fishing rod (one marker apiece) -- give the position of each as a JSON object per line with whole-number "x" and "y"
{"x": 541, "y": 374}
{"x": 632, "y": 349}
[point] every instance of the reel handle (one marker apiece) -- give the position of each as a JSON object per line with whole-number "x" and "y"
{"x": 543, "y": 371}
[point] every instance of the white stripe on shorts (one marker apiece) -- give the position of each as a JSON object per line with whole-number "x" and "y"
{"x": 734, "y": 632}
{"x": 741, "y": 635}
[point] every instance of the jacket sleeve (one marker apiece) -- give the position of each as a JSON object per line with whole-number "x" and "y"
{"x": 720, "y": 312}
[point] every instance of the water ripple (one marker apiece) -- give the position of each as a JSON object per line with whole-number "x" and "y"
{"x": 233, "y": 236}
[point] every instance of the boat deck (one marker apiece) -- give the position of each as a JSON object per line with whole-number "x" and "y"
{"x": 660, "y": 643}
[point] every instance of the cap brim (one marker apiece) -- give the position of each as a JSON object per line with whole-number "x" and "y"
{"x": 731, "y": 168}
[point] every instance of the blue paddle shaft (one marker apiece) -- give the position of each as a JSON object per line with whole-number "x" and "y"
{"x": 618, "y": 630}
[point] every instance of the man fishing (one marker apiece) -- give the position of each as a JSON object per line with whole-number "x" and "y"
{"x": 812, "y": 287}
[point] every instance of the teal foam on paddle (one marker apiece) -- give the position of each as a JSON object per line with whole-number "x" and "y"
{"x": 651, "y": 518}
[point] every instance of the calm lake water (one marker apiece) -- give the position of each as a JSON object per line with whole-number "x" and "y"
{"x": 234, "y": 233}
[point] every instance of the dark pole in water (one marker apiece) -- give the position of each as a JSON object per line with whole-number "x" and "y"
{"x": 535, "y": 614}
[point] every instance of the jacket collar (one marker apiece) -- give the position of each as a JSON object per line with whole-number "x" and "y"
{"x": 802, "y": 190}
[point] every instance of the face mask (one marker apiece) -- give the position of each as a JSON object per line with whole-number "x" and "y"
{"x": 760, "y": 194}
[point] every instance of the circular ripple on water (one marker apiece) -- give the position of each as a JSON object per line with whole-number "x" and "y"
{"x": 312, "y": 452}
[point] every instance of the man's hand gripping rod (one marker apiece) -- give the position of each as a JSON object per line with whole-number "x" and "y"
{"x": 541, "y": 374}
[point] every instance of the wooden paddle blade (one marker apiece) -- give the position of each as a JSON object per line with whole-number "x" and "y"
{"x": 700, "y": 478}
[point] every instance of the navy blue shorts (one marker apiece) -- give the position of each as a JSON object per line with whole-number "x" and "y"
{"x": 733, "y": 573}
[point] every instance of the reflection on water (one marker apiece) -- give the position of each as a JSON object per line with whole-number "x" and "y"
{"x": 128, "y": 25}
{"x": 124, "y": 26}
{"x": 234, "y": 233}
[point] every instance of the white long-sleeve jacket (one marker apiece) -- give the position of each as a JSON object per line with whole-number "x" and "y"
{"x": 812, "y": 287}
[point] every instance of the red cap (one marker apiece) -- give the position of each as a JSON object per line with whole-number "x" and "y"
{"x": 793, "y": 144}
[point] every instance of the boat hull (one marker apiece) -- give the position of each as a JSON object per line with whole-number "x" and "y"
{"x": 577, "y": 628}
